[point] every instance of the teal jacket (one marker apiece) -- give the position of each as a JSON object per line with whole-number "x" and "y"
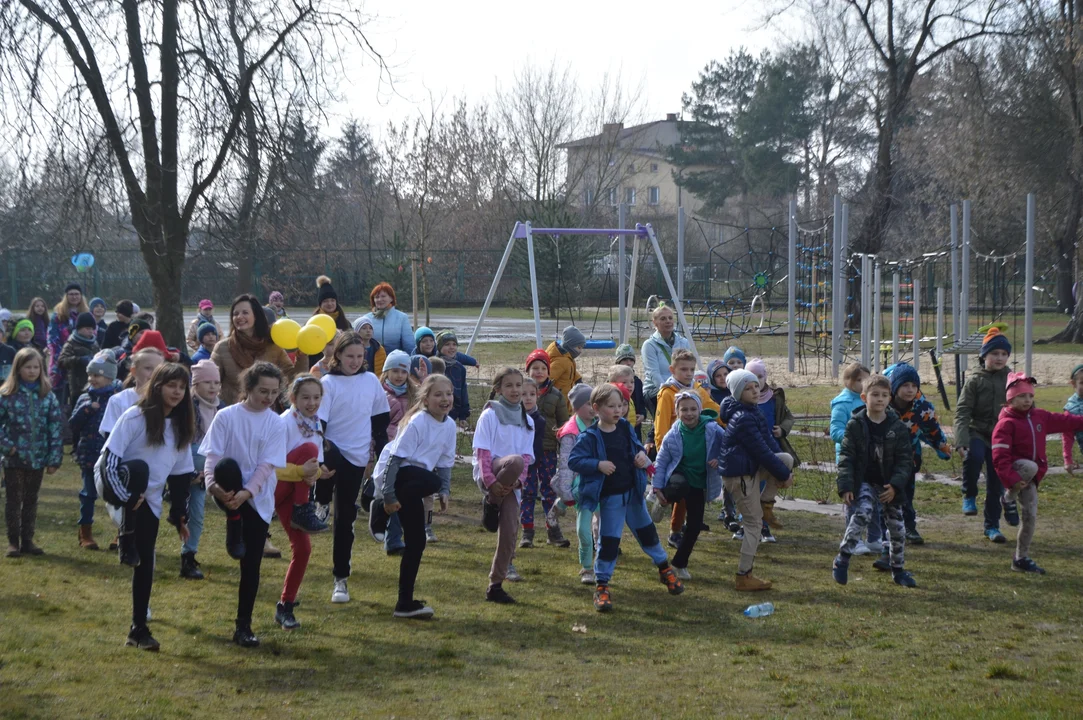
{"x": 31, "y": 429}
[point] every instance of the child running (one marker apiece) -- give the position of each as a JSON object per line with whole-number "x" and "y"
{"x": 566, "y": 482}
{"x": 206, "y": 384}
{"x": 553, "y": 409}
{"x": 874, "y": 467}
{"x": 503, "y": 450}
{"x": 31, "y": 445}
{"x": 244, "y": 445}
{"x": 613, "y": 479}
{"x": 85, "y": 425}
{"x": 1019, "y": 456}
{"x": 415, "y": 465}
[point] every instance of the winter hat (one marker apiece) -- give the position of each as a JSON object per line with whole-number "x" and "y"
{"x": 397, "y": 360}
{"x": 444, "y": 337}
{"x": 712, "y": 368}
{"x": 381, "y": 287}
{"x": 536, "y": 355}
{"x": 416, "y": 361}
{"x": 151, "y": 339}
{"x": 900, "y": 375}
{"x": 125, "y": 307}
{"x": 363, "y": 321}
{"x": 72, "y": 286}
{"x": 205, "y": 328}
{"x": 758, "y": 368}
{"x": 205, "y": 371}
{"x": 135, "y": 307}
{"x": 5, "y": 314}
{"x": 994, "y": 340}
{"x": 624, "y": 352}
{"x": 23, "y": 324}
{"x": 733, "y": 352}
{"x": 687, "y": 395}
{"x": 104, "y": 363}
{"x": 94, "y": 302}
{"x": 738, "y": 379}
{"x": 302, "y": 454}
{"x": 1076, "y": 369}
{"x": 1019, "y": 383}
{"x": 85, "y": 320}
{"x": 136, "y": 327}
{"x": 423, "y": 332}
{"x": 326, "y": 292}
{"x": 275, "y": 297}
{"x": 206, "y": 304}
{"x": 579, "y": 395}
{"x": 572, "y": 338}
{"x": 624, "y": 391}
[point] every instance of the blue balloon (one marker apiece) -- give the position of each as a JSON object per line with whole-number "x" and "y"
{"x": 82, "y": 261}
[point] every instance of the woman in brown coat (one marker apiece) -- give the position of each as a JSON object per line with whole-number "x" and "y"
{"x": 249, "y": 340}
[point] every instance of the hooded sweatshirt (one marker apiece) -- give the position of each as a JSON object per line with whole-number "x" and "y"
{"x": 666, "y": 413}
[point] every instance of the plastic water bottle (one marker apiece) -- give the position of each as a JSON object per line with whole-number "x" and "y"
{"x": 762, "y": 610}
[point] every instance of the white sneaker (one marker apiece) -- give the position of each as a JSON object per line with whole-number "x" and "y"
{"x": 340, "y": 594}
{"x": 513, "y": 574}
{"x": 861, "y": 549}
{"x": 875, "y": 547}
{"x": 430, "y": 536}
{"x": 322, "y": 512}
{"x": 682, "y": 573}
{"x": 586, "y": 576}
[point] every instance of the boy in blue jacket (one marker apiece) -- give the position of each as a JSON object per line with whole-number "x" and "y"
{"x": 612, "y": 480}
{"x": 687, "y": 469}
{"x": 842, "y": 409}
{"x": 447, "y": 348}
{"x": 750, "y": 454}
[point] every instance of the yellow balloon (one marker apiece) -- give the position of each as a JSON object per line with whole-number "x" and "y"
{"x": 284, "y": 333}
{"x": 325, "y": 322}
{"x": 311, "y": 339}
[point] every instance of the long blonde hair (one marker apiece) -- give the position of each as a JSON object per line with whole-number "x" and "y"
{"x": 423, "y": 398}
{"x": 63, "y": 310}
{"x": 11, "y": 384}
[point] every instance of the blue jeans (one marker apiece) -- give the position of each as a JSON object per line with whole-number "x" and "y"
{"x": 980, "y": 454}
{"x": 87, "y": 496}
{"x": 197, "y": 498}
{"x": 393, "y": 539}
{"x": 615, "y": 511}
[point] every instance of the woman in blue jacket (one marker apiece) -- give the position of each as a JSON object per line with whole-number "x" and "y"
{"x": 390, "y": 326}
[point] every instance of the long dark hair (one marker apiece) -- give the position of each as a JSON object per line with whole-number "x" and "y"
{"x": 182, "y": 416}
{"x": 260, "y": 329}
{"x": 345, "y": 340}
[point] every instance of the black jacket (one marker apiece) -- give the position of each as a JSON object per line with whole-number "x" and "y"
{"x": 898, "y": 461}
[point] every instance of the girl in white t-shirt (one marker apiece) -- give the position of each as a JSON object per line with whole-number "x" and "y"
{"x": 143, "y": 364}
{"x": 355, "y": 414}
{"x": 415, "y": 465}
{"x": 243, "y": 446}
{"x": 503, "y": 450}
{"x": 149, "y": 448}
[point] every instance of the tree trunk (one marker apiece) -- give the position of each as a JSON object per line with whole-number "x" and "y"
{"x": 166, "y": 271}
{"x": 1073, "y": 333}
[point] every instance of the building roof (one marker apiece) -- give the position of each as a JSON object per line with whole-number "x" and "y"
{"x": 646, "y": 138}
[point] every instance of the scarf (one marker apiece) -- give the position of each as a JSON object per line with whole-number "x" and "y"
{"x": 85, "y": 341}
{"x": 380, "y": 314}
{"x": 766, "y": 393}
{"x": 399, "y": 390}
{"x": 204, "y": 415}
{"x": 507, "y": 413}
{"x": 309, "y": 427}
{"x": 544, "y": 387}
{"x": 245, "y": 349}
{"x": 31, "y": 387}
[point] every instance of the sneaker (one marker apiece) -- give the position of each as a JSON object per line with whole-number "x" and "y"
{"x": 430, "y": 536}
{"x": 556, "y": 537}
{"x": 140, "y": 637}
{"x": 1027, "y": 565}
{"x": 490, "y": 516}
{"x": 739, "y": 534}
{"x": 235, "y": 538}
{"x": 323, "y": 512}
{"x": 669, "y": 579}
{"x": 415, "y": 609}
{"x": 270, "y": 551}
{"x": 305, "y": 519}
{"x": 602, "y": 601}
{"x": 970, "y": 506}
{"x": 732, "y": 523}
{"x": 840, "y": 569}
{"x": 902, "y": 577}
{"x": 513, "y": 574}
{"x": 682, "y": 573}
{"x": 675, "y": 539}
{"x": 378, "y": 519}
{"x": 767, "y": 536}
{"x": 527, "y": 540}
{"x": 657, "y": 509}
{"x": 497, "y": 594}
{"x": 244, "y": 636}
{"x": 862, "y": 549}
{"x": 129, "y": 555}
{"x": 996, "y": 536}
{"x": 586, "y": 576}
{"x": 913, "y": 537}
{"x": 284, "y": 616}
{"x": 340, "y": 594}
{"x": 1011, "y": 510}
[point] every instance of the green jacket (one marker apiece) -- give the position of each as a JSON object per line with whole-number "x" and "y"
{"x": 979, "y": 405}
{"x": 785, "y": 420}
{"x": 898, "y": 462}
{"x": 554, "y": 408}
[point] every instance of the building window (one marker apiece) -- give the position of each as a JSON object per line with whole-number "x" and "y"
{"x": 588, "y": 197}
{"x": 654, "y": 167}
{"x": 652, "y": 196}
{"x": 629, "y": 196}
{"x": 613, "y": 197}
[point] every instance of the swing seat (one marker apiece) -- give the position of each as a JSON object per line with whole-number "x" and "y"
{"x": 601, "y": 344}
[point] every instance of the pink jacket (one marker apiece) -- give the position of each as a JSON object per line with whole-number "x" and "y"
{"x": 399, "y": 405}
{"x": 1019, "y": 436}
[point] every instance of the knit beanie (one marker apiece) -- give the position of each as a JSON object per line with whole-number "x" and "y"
{"x": 423, "y": 332}
{"x": 326, "y": 292}
{"x": 416, "y": 361}
{"x": 205, "y": 371}
{"x": 624, "y": 352}
{"x": 104, "y": 364}
{"x": 712, "y": 368}
{"x": 579, "y": 395}
{"x": 687, "y": 395}
{"x": 151, "y": 339}
{"x": 536, "y": 355}
{"x": 994, "y": 340}
{"x": 5, "y": 314}
{"x": 572, "y": 338}
{"x": 733, "y": 352}
{"x": 275, "y": 297}
{"x": 136, "y": 327}
{"x": 1076, "y": 369}
{"x": 125, "y": 307}
{"x": 901, "y": 374}
{"x": 1019, "y": 383}
{"x": 397, "y": 360}
{"x": 94, "y": 302}
{"x": 737, "y": 380}
{"x": 444, "y": 337}
{"x": 757, "y": 367}
{"x": 72, "y": 286}
{"x": 363, "y": 321}
{"x": 24, "y": 324}
{"x": 205, "y": 328}
{"x": 85, "y": 320}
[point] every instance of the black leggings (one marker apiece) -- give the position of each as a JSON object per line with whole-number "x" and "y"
{"x": 346, "y": 484}
{"x": 412, "y": 486}
{"x": 696, "y": 502}
{"x": 227, "y": 475}
{"x": 145, "y": 527}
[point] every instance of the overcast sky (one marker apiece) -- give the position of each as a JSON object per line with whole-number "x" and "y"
{"x": 464, "y": 49}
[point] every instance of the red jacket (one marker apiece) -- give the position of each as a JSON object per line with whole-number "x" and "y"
{"x": 1019, "y": 436}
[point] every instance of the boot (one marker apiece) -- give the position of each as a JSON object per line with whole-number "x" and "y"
{"x": 284, "y": 616}
{"x": 750, "y": 583}
{"x": 556, "y": 537}
{"x": 189, "y": 568}
{"x": 528, "y": 538}
{"x": 235, "y": 538}
{"x": 769, "y": 515}
{"x": 244, "y": 636}
{"x": 269, "y": 550}
{"x": 86, "y": 537}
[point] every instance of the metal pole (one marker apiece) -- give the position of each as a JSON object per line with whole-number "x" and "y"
{"x": 915, "y": 325}
{"x": 630, "y": 305}
{"x": 1028, "y": 331}
{"x": 877, "y": 318}
{"x": 492, "y": 290}
{"x": 673, "y": 291}
{"x": 895, "y": 318}
{"x": 845, "y": 287}
{"x": 533, "y": 284}
{"x": 955, "y": 272}
{"x": 939, "y": 322}
{"x": 791, "y": 294}
{"x": 413, "y": 283}
{"x": 964, "y": 285}
{"x": 864, "y": 309}
{"x": 680, "y": 254}
{"x": 837, "y": 289}
{"x": 621, "y": 310}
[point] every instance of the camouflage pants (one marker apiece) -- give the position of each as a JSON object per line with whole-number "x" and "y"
{"x": 866, "y": 502}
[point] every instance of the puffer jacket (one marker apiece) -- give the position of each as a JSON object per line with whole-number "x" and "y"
{"x": 85, "y": 421}
{"x": 76, "y": 355}
{"x": 31, "y": 426}
{"x": 393, "y": 330}
{"x": 554, "y": 408}
{"x": 1021, "y": 436}
{"x": 589, "y": 450}
{"x": 842, "y": 409}
{"x": 672, "y": 452}
{"x": 562, "y": 371}
{"x": 983, "y": 395}
{"x": 896, "y": 465}
{"x": 748, "y": 443}
{"x": 399, "y": 404}
{"x": 924, "y": 427}
{"x": 456, "y": 373}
